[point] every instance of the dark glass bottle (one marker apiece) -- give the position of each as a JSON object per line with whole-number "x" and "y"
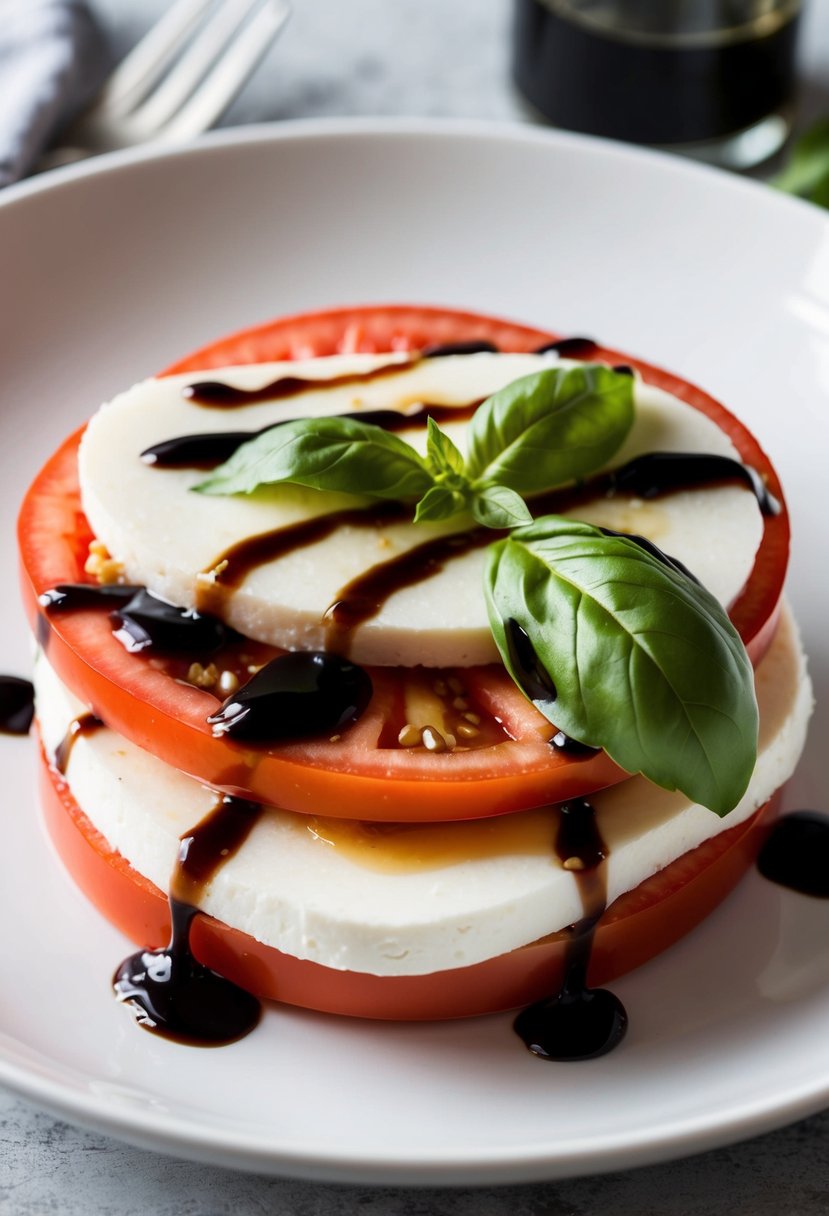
{"x": 663, "y": 72}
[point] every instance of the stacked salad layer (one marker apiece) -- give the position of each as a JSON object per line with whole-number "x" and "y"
{"x": 461, "y": 643}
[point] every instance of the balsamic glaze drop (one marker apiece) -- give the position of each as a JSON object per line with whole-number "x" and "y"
{"x": 17, "y": 705}
{"x": 174, "y": 995}
{"x": 170, "y": 992}
{"x": 142, "y": 620}
{"x": 297, "y": 695}
{"x": 796, "y": 853}
{"x": 577, "y": 1022}
{"x": 149, "y": 623}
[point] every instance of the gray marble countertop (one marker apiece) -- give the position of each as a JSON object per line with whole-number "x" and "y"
{"x": 399, "y": 57}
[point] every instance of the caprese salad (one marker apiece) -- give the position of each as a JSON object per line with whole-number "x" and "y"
{"x": 407, "y": 663}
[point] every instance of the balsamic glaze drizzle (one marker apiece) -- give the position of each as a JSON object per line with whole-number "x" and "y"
{"x": 474, "y": 346}
{"x": 84, "y": 725}
{"x": 656, "y": 473}
{"x": 365, "y": 595}
{"x": 206, "y": 451}
{"x": 17, "y": 705}
{"x": 299, "y": 695}
{"x": 170, "y": 992}
{"x": 577, "y": 1022}
{"x": 217, "y": 395}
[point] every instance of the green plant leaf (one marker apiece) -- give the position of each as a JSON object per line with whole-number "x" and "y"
{"x": 807, "y": 172}
{"x": 549, "y": 428}
{"x": 500, "y": 507}
{"x": 622, "y": 650}
{"x": 328, "y": 453}
{"x": 442, "y": 456}
{"x": 439, "y": 503}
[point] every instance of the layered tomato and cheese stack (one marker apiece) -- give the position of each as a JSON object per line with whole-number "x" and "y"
{"x": 398, "y": 848}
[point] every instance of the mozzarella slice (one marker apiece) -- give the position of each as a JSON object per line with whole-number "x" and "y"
{"x": 407, "y": 900}
{"x": 169, "y": 538}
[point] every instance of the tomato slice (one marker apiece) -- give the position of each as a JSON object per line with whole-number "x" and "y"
{"x": 363, "y": 775}
{"x": 634, "y": 929}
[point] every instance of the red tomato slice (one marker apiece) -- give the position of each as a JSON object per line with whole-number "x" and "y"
{"x": 634, "y": 929}
{"x": 364, "y": 775}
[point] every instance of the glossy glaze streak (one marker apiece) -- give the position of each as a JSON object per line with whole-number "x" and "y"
{"x": 215, "y": 394}
{"x": 528, "y": 671}
{"x": 362, "y": 598}
{"x": 299, "y": 695}
{"x": 168, "y": 990}
{"x": 207, "y": 451}
{"x": 146, "y": 622}
{"x": 141, "y": 621}
{"x": 82, "y": 726}
{"x": 577, "y": 1022}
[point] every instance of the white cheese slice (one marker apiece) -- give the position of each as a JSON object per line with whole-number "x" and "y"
{"x": 392, "y": 900}
{"x": 166, "y": 536}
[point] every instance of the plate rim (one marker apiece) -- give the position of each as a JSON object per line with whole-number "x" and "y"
{"x": 493, "y": 1164}
{"x": 280, "y": 131}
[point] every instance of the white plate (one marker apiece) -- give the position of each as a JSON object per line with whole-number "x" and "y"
{"x": 111, "y": 270}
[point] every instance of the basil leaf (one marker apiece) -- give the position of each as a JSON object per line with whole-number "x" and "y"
{"x": 332, "y": 453}
{"x": 498, "y": 507}
{"x": 807, "y": 173}
{"x": 441, "y": 454}
{"x": 631, "y": 655}
{"x": 550, "y": 427}
{"x": 439, "y": 503}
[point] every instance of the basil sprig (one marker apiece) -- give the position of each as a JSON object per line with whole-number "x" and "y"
{"x": 623, "y": 650}
{"x": 539, "y": 432}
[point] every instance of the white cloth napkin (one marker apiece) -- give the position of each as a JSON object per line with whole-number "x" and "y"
{"x": 53, "y": 59}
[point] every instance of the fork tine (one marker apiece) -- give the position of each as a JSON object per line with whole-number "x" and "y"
{"x": 185, "y": 75}
{"x": 230, "y": 72}
{"x": 148, "y": 60}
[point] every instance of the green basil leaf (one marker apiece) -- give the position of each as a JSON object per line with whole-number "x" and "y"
{"x": 807, "y": 173}
{"x": 441, "y": 454}
{"x": 439, "y": 503}
{"x": 326, "y": 454}
{"x": 633, "y": 656}
{"x": 550, "y": 427}
{"x": 499, "y": 507}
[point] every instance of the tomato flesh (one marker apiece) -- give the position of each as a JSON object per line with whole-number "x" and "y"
{"x": 634, "y": 929}
{"x": 359, "y": 776}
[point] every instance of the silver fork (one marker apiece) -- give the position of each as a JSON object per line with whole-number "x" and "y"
{"x": 164, "y": 93}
